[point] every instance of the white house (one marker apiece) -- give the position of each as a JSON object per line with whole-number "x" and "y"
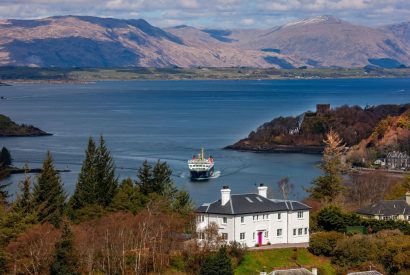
{"x": 253, "y": 219}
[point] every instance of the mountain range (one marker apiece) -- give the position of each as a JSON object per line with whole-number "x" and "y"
{"x": 85, "y": 41}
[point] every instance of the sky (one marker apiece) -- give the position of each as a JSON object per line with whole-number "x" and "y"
{"x": 215, "y": 13}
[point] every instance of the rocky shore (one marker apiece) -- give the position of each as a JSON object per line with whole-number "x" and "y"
{"x": 9, "y": 128}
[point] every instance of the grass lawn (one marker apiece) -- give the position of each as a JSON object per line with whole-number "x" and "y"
{"x": 255, "y": 261}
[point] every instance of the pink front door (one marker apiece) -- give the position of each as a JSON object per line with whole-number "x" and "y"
{"x": 260, "y": 238}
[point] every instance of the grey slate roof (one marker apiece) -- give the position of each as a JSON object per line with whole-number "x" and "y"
{"x": 371, "y": 272}
{"x": 250, "y": 203}
{"x": 387, "y": 208}
{"x": 299, "y": 271}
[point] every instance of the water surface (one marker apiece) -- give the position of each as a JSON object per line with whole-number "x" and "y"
{"x": 172, "y": 120}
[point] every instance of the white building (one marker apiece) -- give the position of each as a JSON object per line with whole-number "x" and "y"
{"x": 253, "y": 219}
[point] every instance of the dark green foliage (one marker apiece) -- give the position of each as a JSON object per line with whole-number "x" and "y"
{"x": 217, "y": 264}
{"x": 333, "y": 219}
{"x": 323, "y": 243}
{"x": 97, "y": 183}
{"x": 5, "y": 158}
{"x": 145, "y": 178}
{"x": 24, "y": 201}
{"x": 48, "y": 195}
{"x": 128, "y": 198}
{"x": 353, "y": 251}
{"x": 156, "y": 179}
{"x": 182, "y": 203}
{"x": 105, "y": 176}
{"x": 65, "y": 261}
{"x": 162, "y": 182}
{"x": 86, "y": 189}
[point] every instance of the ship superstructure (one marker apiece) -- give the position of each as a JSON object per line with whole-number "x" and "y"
{"x": 201, "y": 167}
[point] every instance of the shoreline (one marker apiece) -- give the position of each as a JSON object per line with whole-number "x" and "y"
{"x": 8, "y": 83}
{"x": 311, "y": 150}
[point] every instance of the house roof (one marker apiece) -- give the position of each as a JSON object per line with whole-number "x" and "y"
{"x": 396, "y": 154}
{"x": 250, "y": 203}
{"x": 299, "y": 271}
{"x": 371, "y": 272}
{"x": 387, "y": 208}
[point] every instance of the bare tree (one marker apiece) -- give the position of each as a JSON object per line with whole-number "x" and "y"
{"x": 33, "y": 251}
{"x": 285, "y": 187}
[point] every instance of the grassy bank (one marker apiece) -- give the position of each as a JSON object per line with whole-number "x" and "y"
{"x": 255, "y": 261}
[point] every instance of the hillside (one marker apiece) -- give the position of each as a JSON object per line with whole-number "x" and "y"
{"x": 390, "y": 134}
{"x": 305, "y": 133}
{"x": 85, "y": 41}
{"x": 9, "y": 128}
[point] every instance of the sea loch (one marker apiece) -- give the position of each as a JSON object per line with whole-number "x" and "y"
{"x": 172, "y": 120}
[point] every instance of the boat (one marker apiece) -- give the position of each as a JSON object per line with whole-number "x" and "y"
{"x": 201, "y": 168}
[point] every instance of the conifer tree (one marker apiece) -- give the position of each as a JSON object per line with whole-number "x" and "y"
{"x": 48, "y": 194}
{"x": 86, "y": 189}
{"x": 162, "y": 182}
{"x": 128, "y": 198}
{"x": 106, "y": 179}
{"x": 5, "y": 157}
{"x": 145, "y": 178}
{"x": 329, "y": 185}
{"x": 24, "y": 200}
{"x": 65, "y": 261}
{"x": 217, "y": 264}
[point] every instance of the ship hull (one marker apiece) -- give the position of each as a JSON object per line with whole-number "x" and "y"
{"x": 201, "y": 175}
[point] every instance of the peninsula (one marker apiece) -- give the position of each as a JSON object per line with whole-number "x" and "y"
{"x": 305, "y": 133}
{"x": 9, "y": 128}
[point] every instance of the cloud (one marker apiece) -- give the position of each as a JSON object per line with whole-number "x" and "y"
{"x": 214, "y": 13}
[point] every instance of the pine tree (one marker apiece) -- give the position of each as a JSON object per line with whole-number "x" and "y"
{"x": 106, "y": 179}
{"x": 86, "y": 189}
{"x": 128, "y": 198}
{"x": 182, "y": 203}
{"x": 217, "y": 264}
{"x": 145, "y": 178}
{"x": 65, "y": 261}
{"x": 24, "y": 200}
{"x": 162, "y": 182}
{"x": 5, "y": 157}
{"x": 328, "y": 186}
{"x": 48, "y": 195}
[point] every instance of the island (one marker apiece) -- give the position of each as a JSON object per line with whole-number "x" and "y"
{"x": 9, "y": 128}
{"x": 305, "y": 133}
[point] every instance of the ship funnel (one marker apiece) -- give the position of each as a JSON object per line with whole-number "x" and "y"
{"x": 225, "y": 195}
{"x": 263, "y": 190}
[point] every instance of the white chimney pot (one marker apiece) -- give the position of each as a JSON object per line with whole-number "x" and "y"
{"x": 263, "y": 190}
{"x": 225, "y": 195}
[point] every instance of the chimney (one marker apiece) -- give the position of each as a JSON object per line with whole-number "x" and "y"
{"x": 408, "y": 197}
{"x": 314, "y": 271}
{"x": 263, "y": 190}
{"x": 225, "y": 195}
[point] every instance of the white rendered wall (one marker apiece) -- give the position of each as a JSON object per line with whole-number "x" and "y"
{"x": 271, "y": 223}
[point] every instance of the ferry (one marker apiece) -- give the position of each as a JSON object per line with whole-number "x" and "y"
{"x": 201, "y": 168}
